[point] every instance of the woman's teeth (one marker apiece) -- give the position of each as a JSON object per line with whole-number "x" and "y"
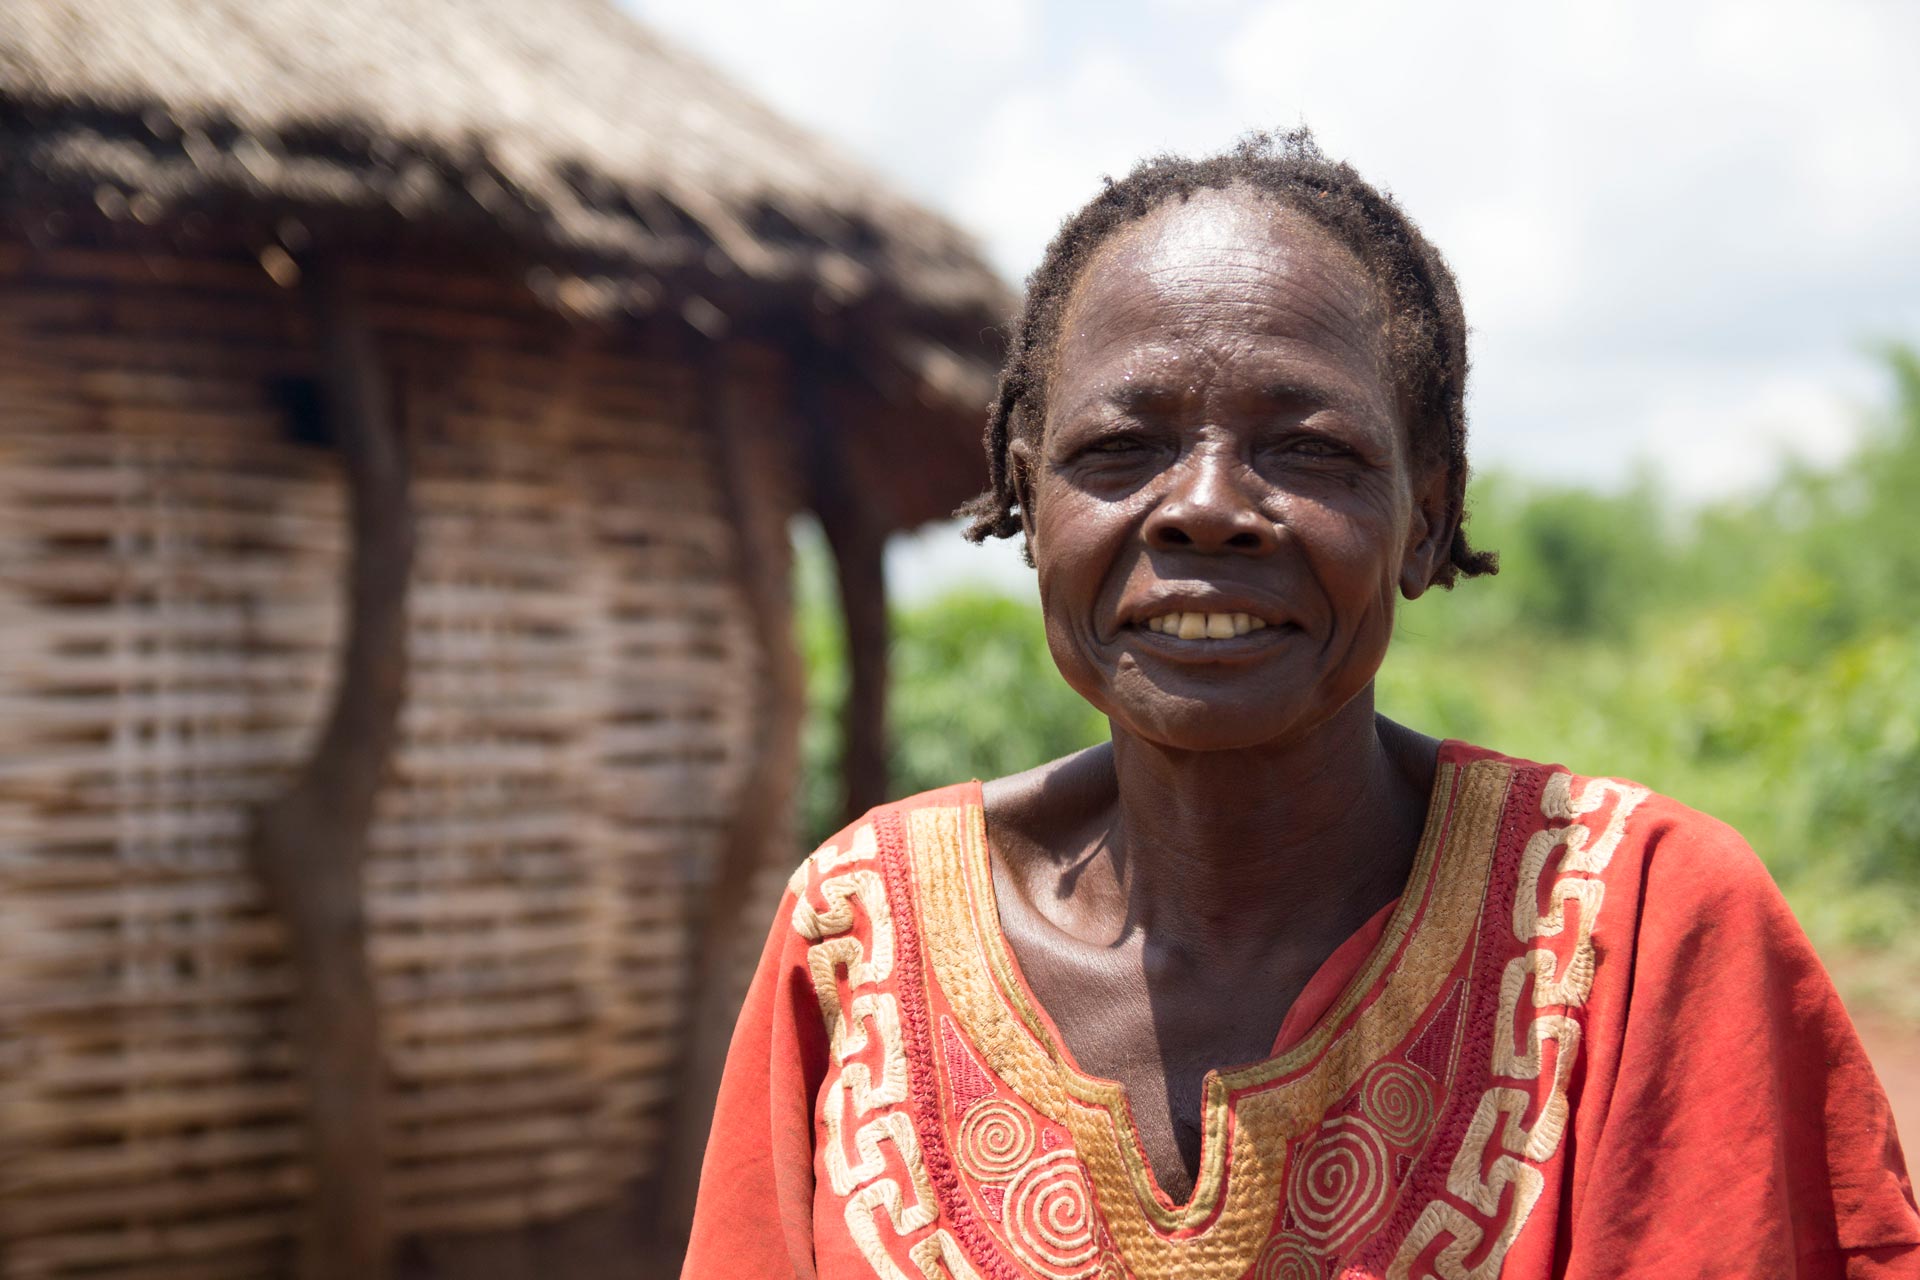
{"x": 1204, "y": 626}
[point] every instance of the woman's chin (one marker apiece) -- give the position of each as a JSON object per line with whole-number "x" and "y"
{"x": 1249, "y": 718}
{"x": 1209, "y": 726}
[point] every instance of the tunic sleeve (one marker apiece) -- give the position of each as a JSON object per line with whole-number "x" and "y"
{"x": 754, "y": 1215}
{"x": 1743, "y": 1132}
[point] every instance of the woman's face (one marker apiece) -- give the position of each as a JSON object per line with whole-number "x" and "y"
{"x": 1224, "y": 451}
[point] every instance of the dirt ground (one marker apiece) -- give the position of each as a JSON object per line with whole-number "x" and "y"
{"x": 1879, "y": 988}
{"x": 1895, "y": 1049}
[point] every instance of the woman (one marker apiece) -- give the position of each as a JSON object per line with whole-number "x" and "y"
{"x": 1271, "y": 986}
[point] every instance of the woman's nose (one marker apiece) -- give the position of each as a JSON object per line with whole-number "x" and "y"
{"x": 1206, "y": 509}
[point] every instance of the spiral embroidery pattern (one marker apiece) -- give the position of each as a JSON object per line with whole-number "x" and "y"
{"x": 1339, "y": 1181}
{"x": 996, "y": 1138}
{"x": 1398, "y": 1102}
{"x": 1288, "y": 1258}
{"x": 1050, "y": 1218}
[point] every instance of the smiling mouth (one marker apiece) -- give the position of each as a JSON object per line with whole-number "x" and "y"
{"x": 1204, "y": 626}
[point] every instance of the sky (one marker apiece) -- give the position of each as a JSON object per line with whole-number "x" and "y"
{"x": 1678, "y": 227}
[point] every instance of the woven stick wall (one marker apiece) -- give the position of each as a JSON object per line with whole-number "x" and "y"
{"x": 579, "y": 717}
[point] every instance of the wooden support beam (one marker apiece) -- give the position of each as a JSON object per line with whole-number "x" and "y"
{"x": 859, "y": 544}
{"x": 309, "y": 843}
{"x": 850, "y": 496}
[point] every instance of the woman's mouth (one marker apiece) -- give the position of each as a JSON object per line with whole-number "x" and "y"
{"x": 1204, "y": 626}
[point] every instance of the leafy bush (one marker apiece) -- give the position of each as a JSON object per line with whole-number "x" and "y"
{"x": 974, "y": 693}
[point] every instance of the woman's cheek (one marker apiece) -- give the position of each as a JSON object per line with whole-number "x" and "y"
{"x": 1357, "y": 548}
{"x": 1066, "y": 643}
{"x": 1068, "y": 593}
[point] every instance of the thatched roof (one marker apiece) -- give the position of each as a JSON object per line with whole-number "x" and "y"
{"x": 558, "y": 127}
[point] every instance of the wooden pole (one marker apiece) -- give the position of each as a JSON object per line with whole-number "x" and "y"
{"x": 859, "y": 553}
{"x": 309, "y": 844}
{"x": 856, "y": 531}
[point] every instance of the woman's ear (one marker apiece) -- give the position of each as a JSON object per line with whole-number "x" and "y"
{"x": 1429, "y": 533}
{"x": 1021, "y": 458}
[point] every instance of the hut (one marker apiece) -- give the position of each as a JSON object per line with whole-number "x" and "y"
{"x": 402, "y": 408}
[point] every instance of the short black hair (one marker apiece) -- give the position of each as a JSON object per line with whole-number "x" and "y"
{"x": 1426, "y": 324}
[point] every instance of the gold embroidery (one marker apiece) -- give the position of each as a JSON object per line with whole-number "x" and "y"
{"x": 1464, "y": 1180}
{"x": 1399, "y": 1101}
{"x": 839, "y": 891}
{"x": 884, "y": 1193}
{"x": 883, "y": 1011}
{"x": 937, "y": 1250}
{"x": 1289, "y": 1258}
{"x": 893, "y": 1126}
{"x": 1227, "y": 1221}
{"x": 996, "y": 1138}
{"x": 1562, "y": 1030}
{"x": 1558, "y": 802}
{"x": 1049, "y": 1218}
{"x": 1502, "y": 1108}
{"x": 1339, "y": 1180}
{"x": 863, "y": 846}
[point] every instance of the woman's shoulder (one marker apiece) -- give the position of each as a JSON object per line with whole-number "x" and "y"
{"x": 859, "y": 843}
{"x": 1714, "y": 1050}
{"x": 1024, "y": 809}
{"x": 1667, "y": 845}
{"x": 862, "y": 830}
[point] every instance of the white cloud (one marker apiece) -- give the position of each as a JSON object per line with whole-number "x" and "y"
{"x": 1047, "y": 142}
{"x": 1730, "y": 435}
{"x": 1690, "y": 214}
{"x": 901, "y": 86}
{"x": 1673, "y": 224}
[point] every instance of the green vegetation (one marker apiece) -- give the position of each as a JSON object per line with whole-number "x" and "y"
{"x": 974, "y": 694}
{"x": 1759, "y": 659}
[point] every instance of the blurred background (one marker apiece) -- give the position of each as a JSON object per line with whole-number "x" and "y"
{"x": 472, "y": 493}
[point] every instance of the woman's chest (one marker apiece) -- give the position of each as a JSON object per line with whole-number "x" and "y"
{"x": 974, "y": 1161}
{"x": 1414, "y": 1130}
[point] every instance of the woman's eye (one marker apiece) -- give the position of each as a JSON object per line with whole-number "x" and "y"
{"x": 1111, "y": 446}
{"x": 1315, "y": 447}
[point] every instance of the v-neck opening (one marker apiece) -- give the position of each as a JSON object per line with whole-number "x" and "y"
{"x": 1394, "y": 921}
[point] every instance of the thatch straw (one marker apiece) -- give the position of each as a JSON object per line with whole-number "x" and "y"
{"x": 561, "y": 127}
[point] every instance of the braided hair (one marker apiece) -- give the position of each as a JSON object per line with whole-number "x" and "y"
{"x": 1427, "y": 328}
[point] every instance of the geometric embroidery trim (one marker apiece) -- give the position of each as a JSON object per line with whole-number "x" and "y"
{"x": 1487, "y": 1202}
{"x": 883, "y": 1210}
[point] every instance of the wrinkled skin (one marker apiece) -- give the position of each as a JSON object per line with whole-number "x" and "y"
{"x": 1223, "y": 435}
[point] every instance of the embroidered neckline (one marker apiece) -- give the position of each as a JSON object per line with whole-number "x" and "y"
{"x": 1275, "y": 1098}
{"x": 1220, "y": 1081}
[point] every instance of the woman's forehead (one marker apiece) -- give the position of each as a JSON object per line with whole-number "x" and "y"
{"x": 1225, "y": 237}
{"x": 1223, "y": 266}
{"x": 1210, "y": 221}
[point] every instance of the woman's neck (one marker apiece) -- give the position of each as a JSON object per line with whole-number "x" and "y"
{"x": 1218, "y": 854}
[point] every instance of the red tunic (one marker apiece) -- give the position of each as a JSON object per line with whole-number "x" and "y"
{"x": 1589, "y": 1040}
